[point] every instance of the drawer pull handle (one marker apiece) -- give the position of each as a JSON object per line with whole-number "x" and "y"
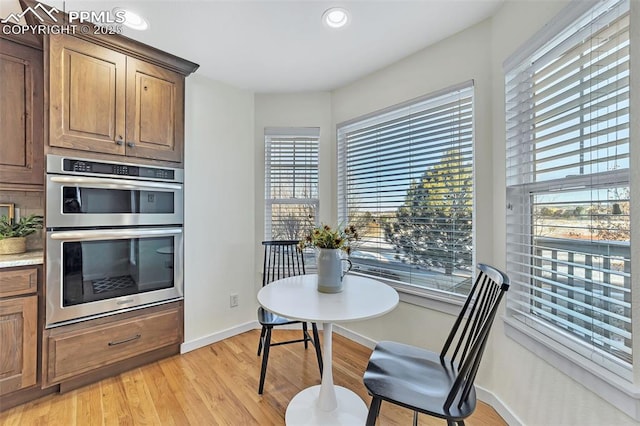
{"x": 130, "y": 339}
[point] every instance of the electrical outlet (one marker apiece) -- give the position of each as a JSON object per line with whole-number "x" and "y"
{"x": 233, "y": 300}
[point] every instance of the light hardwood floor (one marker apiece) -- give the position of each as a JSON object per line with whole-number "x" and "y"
{"x": 215, "y": 385}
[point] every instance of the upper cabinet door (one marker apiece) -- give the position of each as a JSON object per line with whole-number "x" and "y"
{"x": 155, "y": 112}
{"x": 21, "y": 109}
{"x": 86, "y": 96}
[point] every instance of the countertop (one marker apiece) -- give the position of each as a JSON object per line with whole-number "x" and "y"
{"x": 31, "y": 257}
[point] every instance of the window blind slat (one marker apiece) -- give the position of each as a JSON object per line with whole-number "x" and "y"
{"x": 411, "y": 117}
{"x": 520, "y": 114}
{"x": 594, "y": 34}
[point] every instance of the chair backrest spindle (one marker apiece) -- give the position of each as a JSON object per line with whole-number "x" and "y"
{"x": 471, "y": 329}
{"x": 281, "y": 259}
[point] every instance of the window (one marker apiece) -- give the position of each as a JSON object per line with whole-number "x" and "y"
{"x": 291, "y": 182}
{"x": 568, "y": 213}
{"x": 405, "y": 179}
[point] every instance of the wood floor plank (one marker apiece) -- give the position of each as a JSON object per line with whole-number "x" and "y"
{"x": 181, "y": 379}
{"x": 240, "y": 395}
{"x": 216, "y": 385}
{"x": 167, "y": 404}
{"x": 15, "y": 419}
{"x": 142, "y": 407}
{"x": 89, "y": 405}
{"x": 36, "y": 412}
{"x": 225, "y": 407}
{"x": 62, "y": 411}
{"x": 115, "y": 407}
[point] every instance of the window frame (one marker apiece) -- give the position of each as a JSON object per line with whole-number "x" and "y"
{"x": 427, "y": 297}
{"x": 623, "y": 393}
{"x": 288, "y": 133}
{"x": 525, "y": 192}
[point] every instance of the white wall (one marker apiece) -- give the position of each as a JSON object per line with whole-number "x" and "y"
{"x": 8, "y": 7}
{"x": 219, "y": 209}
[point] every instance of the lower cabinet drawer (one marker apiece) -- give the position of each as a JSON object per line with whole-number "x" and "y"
{"x": 82, "y": 350}
{"x": 16, "y": 281}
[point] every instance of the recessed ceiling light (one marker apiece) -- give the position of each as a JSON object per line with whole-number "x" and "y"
{"x": 336, "y": 17}
{"x": 134, "y": 21}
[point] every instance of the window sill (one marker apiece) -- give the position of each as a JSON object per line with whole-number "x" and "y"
{"x": 426, "y": 298}
{"x": 615, "y": 390}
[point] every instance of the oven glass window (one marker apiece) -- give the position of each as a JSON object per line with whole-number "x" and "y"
{"x": 100, "y": 201}
{"x": 104, "y": 269}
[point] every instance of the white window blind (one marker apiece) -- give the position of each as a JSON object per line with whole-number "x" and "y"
{"x": 291, "y": 182}
{"x": 405, "y": 179}
{"x": 568, "y": 216}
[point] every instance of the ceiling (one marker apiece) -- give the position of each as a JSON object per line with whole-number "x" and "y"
{"x": 282, "y": 46}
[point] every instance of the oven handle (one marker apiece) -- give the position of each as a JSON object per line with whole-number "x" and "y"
{"x": 93, "y": 234}
{"x": 114, "y": 183}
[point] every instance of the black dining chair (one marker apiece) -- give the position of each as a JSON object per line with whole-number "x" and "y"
{"x": 281, "y": 259}
{"x": 439, "y": 385}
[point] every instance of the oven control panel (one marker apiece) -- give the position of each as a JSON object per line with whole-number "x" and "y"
{"x": 114, "y": 169}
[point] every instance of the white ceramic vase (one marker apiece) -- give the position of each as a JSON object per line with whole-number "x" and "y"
{"x": 330, "y": 270}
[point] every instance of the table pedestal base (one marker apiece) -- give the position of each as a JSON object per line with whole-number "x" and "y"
{"x": 303, "y": 409}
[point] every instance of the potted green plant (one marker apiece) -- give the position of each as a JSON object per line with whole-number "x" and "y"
{"x": 13, "y": 233}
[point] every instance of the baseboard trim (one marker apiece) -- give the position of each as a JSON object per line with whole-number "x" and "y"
{"x": 356, "y": 337}
{"x": 496, "y": 403}
{"x": 230, "y": 332}
{"x": 218, "y": 336}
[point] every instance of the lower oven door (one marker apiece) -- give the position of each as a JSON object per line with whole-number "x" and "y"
{"x": 92, "y": 273}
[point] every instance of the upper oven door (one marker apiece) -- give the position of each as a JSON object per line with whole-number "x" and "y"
{"x": 79, "y": 201}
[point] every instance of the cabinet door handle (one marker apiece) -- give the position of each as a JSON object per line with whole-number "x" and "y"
{"x": 119, "y": 142}
{"x": 130, "y": 339}
{"x": 131, "y": 144}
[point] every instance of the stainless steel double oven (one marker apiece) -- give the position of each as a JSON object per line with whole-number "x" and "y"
{"x": 114, "y": 237}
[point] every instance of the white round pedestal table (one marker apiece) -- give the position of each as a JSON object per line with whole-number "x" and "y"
{"x": 298, "y": 298}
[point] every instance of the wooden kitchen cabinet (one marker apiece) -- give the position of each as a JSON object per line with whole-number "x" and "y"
{"x": 21, "y": 114}
{"x": 106, "y": 101}
{"x": 18, "y": 329}
{"x": 86, "y": 96}
{"x": 84, "y": 351}
{"x": 155, "y": 112}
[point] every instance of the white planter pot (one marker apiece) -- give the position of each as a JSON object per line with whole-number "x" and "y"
{"x": 330, "y": 270}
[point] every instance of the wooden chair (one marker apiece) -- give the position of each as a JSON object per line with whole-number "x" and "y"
{"x": 281, "y": 259}
{"x": 439, "y": 385}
